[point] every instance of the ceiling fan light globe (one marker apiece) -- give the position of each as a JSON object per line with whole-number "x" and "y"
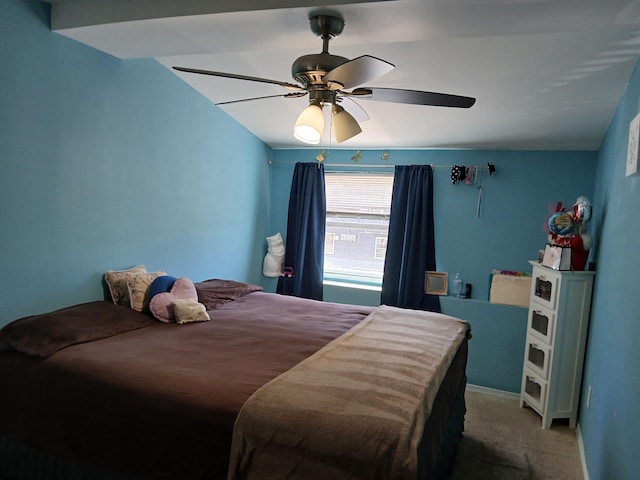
{"x": 344, "y": 125}
{"x": 309, "y": 125}
{"x": 307, "y": 135}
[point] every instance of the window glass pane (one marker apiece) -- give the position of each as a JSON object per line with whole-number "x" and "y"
{"x": 358, "y": 207}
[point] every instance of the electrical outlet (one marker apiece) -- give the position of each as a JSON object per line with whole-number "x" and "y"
{"x": 589, "y": 396}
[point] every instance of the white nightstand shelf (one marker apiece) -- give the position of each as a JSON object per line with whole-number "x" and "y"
{"x": 559, "y": 310}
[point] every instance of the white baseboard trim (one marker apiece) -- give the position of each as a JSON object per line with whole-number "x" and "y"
{"x": 583, "y": 459}
{"x": 493, "y": 391}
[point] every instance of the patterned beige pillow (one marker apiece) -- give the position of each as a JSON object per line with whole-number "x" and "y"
{"x": 138, "y": 285}
{"x": 117, "y": 282}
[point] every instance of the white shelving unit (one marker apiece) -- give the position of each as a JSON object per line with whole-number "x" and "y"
{"x": 559, "y": 310}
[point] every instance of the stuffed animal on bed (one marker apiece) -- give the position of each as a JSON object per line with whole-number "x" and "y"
{"x": 179, "y": 304}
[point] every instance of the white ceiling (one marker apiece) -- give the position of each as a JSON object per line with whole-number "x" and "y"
{"x": 547, "y": 74}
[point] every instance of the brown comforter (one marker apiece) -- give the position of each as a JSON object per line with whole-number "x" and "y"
{"x": 160, "y": 400}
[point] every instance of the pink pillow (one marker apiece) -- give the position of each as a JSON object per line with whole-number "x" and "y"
{"x": 161, "y": 305}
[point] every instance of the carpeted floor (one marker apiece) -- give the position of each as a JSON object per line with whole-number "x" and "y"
{"x": 505, "y": 442}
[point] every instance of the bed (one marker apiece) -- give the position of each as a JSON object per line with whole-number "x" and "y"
{"x": 271, "y": 387}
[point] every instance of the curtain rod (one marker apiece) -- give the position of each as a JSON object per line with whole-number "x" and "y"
{"x": 489, "y": 166}
{"x": 328, "y": 165}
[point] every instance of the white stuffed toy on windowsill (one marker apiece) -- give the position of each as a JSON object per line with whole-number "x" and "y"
{"x": 274, "y": 259}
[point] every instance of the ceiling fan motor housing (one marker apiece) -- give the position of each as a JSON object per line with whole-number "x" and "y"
{"x": 310, "y": 69}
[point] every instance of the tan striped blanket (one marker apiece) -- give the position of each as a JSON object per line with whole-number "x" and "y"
{"x": 354, "y": 409}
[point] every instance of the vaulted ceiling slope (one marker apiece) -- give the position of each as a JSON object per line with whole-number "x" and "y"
{"x": 547, "y": 74}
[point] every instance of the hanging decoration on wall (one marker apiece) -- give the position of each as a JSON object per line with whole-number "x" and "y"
{"x": 385, "y": 156}
{"x": 471, "y": 175}
{"x": 480, "y": 193}
{"x": 457, "y": 174}
{"x": 357, "y": 156}
{"x": 322, "y": 156}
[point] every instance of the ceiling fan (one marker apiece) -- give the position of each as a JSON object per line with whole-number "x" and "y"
{"x": 327, "y": 78}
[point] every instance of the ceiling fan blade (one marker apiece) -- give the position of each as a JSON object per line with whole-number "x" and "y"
{"x": 290, "y": 86}
{"x": 286, "y": 95}
{"x": 354, "y": 108}
{"x": 414, "y": 97}
{"x": 356, "y": 72}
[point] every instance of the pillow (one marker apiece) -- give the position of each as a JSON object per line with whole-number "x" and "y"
{"x": 138, "y": 286}
{"x": 216, "y": 292}
{"x": 187, "y": 311}
{"x": 117, "y": 282}
{"x": 160, "y": 285}
{"x": 161, "y": 305}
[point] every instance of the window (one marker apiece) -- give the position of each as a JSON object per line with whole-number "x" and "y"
{"x": 358, "y": 207}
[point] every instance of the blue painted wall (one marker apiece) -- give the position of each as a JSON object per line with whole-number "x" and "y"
{"x": 610, "y": 424}
{"x": 107, "y": 163}
{"x": 508, "y": 233}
